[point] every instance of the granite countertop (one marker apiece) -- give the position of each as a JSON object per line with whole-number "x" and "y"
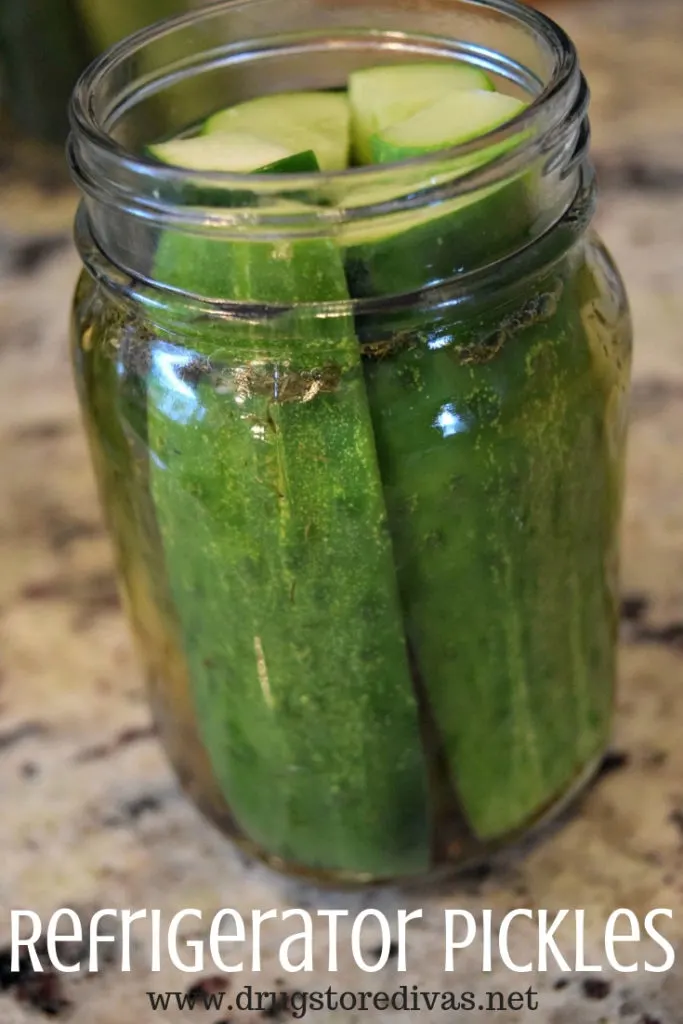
{"x": 91, "y": 815}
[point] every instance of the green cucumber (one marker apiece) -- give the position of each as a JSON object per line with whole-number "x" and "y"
{"x": 382, "y": 96}
{"x": 408, "y": 251}
{"x": 499, "y": 490}
{"x": 490, "y": 439}
{"x": 320, "y": 121}
{"x": 270, "y": 505}
{"x": 453, "y": 119}
{"x": 231, "y": 153}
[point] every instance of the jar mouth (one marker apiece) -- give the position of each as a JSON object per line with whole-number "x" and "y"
{"x": 473, "y": 290}
{"x": 111, "y": 171}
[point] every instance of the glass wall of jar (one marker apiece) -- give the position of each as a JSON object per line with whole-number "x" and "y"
{"x": 359, "y": 438}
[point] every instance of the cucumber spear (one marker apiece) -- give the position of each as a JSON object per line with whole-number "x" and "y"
{"x": 271, "y": 510}
{"x": 489, "y": 430}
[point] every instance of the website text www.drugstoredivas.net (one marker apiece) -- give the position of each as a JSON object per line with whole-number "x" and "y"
{"x": 307, "y": 941}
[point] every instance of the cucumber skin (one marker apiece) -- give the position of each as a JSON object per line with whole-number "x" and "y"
{"x": 362, "y": 146}
{"x": 193, "y": 195}
{"x": 297, "y": 163}
{"x": 502, "y": 533}
{"x": 290, "y": 130}
{"x": 442, "y": 245}
{"x": 282, "y": 574}
{"x": 385, "y": 152}
{"x": 113, "y": 403}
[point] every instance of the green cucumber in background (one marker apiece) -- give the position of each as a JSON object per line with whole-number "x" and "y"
{"x": 43, "y": 50}
{"x": 270, "y": 504}
{"x": 110, "y": 21}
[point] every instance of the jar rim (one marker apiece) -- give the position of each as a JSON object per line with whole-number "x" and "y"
{"x": 96, "y": 155}
{"x": 84, "y": 119}
{"x": 499, "y": 278}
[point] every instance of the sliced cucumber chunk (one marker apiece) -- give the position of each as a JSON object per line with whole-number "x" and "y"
{"x": 405, "y": 251}
{"x": 381, "y": 96}
{"x": 230, "y": 153}
{"x": 453, "y": 119}
{"x": 299, "y": 121}
{"x": 234, "y": 152}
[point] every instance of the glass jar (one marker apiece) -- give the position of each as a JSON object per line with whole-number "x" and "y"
{"x": 359, "y": 438}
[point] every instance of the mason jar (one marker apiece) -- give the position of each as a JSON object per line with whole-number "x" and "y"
{"x": 359, "y": 439}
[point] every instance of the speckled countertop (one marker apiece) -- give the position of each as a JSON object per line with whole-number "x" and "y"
{"x": 90, "y": 814}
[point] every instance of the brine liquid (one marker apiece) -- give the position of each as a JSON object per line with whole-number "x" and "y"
{"x": 250, "y": 494}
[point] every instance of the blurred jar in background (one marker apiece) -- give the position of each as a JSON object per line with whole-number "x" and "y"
{"x": 108, "y": 21}
{"x": 44, "y": 47}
